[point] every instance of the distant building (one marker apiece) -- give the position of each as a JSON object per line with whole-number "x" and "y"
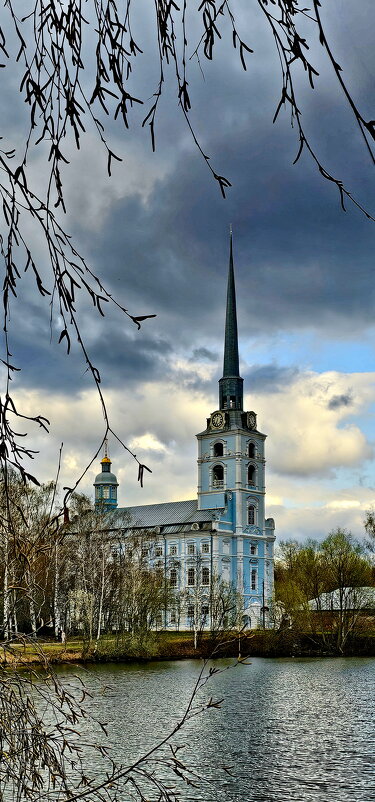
{"x": 222, "y": 535}
{"x": 342, "y": 599}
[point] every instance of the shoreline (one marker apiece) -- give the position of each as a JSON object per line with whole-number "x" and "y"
{"x": 180, "y": 646}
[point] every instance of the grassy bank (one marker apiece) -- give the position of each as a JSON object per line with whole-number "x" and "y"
{"x": 180, "y": 645}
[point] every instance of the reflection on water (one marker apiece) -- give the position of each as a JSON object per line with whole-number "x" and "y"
{"x": 290, "y": 729}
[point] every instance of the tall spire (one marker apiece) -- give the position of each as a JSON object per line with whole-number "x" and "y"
{"x": 231, "y": 384}
{"x": 231, "y": 361}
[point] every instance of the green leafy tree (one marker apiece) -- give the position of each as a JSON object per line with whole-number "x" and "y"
{"x": 320, "y": 586}
{"x": 347, "y": 573}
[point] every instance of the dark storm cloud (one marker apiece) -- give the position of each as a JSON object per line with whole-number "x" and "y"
{"x": 120, "y": 358}
{"x": 300, "y": 261}
{"x": 203, "y": 354}
{"x": 337, "y": 401}
{"x": 270, "y": 378}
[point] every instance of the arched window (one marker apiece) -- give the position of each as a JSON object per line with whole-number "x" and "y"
{"x": 251, "y": 475}
{"x": 251, "y": 450}
{"x": 205, "y": 575}
{"x": 218, "y": 449}
{"x": 218, "y": 476}
{"x": 251, "y": 514}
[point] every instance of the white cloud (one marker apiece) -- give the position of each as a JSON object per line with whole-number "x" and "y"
{"x": 147, "y": 442}
{"x": 343, "y": 504}
{"x": 309, "y": 437}
{"x": 307, "y": 445}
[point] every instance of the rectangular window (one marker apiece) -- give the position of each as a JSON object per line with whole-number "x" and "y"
{"x": 190, "y": 611}
{"x": 191, "y": 548}
{"x": 173, "y": 617}
{"x": 105, "y": 492}
{"x": 173, "y": 550}
{"x": 158, "y": 551}
{"x": 251, "y": 515}
{"x": 173, "y": 578}
{"x": 144, "y": 551}
{"x": 191, "y": 576}
{"x": 254, "y": 582}
{"x": 205, "y": 576}
{"x": 205, "y": 548}
{"x": 204, "y": 611}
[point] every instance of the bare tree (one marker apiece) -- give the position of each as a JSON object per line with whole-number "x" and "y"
{"x": 27, "y": 533}
{"x": 49, "y": 45}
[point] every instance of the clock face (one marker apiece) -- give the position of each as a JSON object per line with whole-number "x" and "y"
{"x": 217, "y": 420}
{"x": 251, "y": 420}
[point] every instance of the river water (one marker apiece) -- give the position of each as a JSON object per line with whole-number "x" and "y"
{"x": 289, "y": 729}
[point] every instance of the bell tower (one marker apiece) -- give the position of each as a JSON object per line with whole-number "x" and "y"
{"x": 231, "y": 480}
{"x": 231, "y": 449}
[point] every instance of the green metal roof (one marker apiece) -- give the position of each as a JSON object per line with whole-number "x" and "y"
{"x": 105, "y": 478}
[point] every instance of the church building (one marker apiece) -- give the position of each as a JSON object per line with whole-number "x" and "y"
{"x": 222, "y": 535}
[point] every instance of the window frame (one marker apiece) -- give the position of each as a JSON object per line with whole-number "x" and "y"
{"x": 205, "y": 576}
{"x": 173, "y": 578}
{"x": 252, "y": 508}
{"x": 191, "y": 577}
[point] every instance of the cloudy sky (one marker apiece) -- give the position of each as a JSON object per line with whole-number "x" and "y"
{"x": 157, "y": 234}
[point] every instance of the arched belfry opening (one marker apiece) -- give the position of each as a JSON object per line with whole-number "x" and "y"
{"x": 251, "y": 475}
{"x": 218, "y": 476}
{"x": 251, "y": 450}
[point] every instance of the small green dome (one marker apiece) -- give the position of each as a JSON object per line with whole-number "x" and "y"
{"x": 106, "y": 478}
